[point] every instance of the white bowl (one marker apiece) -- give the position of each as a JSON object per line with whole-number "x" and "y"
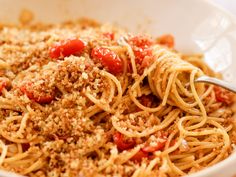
{"x": 198, "y": 25}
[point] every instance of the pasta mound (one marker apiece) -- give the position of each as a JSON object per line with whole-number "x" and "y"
{"x": 85, "y": 99}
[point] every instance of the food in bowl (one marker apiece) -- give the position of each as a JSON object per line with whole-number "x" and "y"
{"x": 82, "y": 98}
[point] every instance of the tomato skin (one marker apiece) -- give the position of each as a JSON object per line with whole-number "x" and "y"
{"x": 121, "y": 143}
{"x": 65, "y": 48}
{"x": 4, "y": 82}
{"x": 223, "y": 95}
{"x": 139, "y": 155}
{"x": 42, "y": 99}
{"x": 145, "y": 100}
{"x": 141, "y": 46}
{"x": 159, "y": 144}
{"x": 108, "y": 35}
{"x": 147, "y": 150}
{"x": 25, "y": 146}
{"x": 147, "y": 61}
{"x": 2, "y": 86}
{"x": 166, "y": 40}
{"x": 108, "y": 59}
{"x": 141, "y": 41}
{"x": 141, "y": 54}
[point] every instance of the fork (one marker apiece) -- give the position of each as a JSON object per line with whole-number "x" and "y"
{"x": 218, "y": 82}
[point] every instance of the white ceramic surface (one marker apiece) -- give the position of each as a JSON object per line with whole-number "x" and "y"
{"x": 198, "y": 25}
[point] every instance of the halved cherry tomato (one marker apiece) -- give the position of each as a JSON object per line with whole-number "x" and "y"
{"x": 147, "y": 61}
{"x": 172, "y": 142}
{"x": 72, "y": 46}
{"x": 108, "y": 35}
{"x": 152, "y": 148}
{"x": 4, "y": 82}
{"x": 43, "y": 98}
{"x": 145, "y": 100}
{"x": 223, "y": 95}
{"x": 141, "y": 54}
{"x": 109, "y": 59}
{"x": 167, "y": 40}
{"x": 25, "y": 146}
{"x": 146, "y": 151}
{"x": 141, "y": 46}
{"x": 121, "y": 143}
{"x": 141, "y": 41}
{"x": 158, "y": 145}
{"x": 139, "y": 155}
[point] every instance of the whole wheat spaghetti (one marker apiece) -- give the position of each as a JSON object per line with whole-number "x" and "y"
{"x": 83, "y": 99}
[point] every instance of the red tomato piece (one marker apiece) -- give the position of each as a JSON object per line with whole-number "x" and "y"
{"x": 4, "y": 82}
{"x": 141, "y": 41}
{"x": 43, "y": 98}
{"x": 172, "y": 142}
{"x": 109, "y": 59}
{"x": 152, "y": 148}
{"x": 223, "y": 95}
{"x": 141, "y": 54}
{"x": 142, "y": 51}
{"x": 166, "y": 40}
{"x": 121, "y": 143}
{"x": 158, "y": 145}
{"x": 108, "y": 35}
{"x": 72, "y": 46}
{"x": 147, "y": 61}
{"x": 146, "y": 100}
{"x": 139, "y": 155}
{"x": 25, "y": 146}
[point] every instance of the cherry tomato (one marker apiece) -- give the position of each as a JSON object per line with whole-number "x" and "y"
{"x": 139, "y": 155}
{"x": 145, "y": 100}
{"x": 109, "y": 59}
{"x": 141, "y": 41}
{"x": 223, "y": 95}
{"x": 108, "y": 35}
{"x": 4, "y": 82}
{"x": 25, "y": 146}
{"x": 147, "y": 61}
{"x": 166, "y": 40}
{"x": 158, "y": 145}
{"x": 121, "y": 143}
{"x": 141, "y": 55}
{"x": 172, "y": 142}
{"x": 72, "y": 46}
{"x": 141, "y": 46}
{"x": 43, "y": 98}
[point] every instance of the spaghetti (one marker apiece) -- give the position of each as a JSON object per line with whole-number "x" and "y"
{"x": 93, "y": 100}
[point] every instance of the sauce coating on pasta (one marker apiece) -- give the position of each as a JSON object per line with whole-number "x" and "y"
{"x": 86, "y": 99}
